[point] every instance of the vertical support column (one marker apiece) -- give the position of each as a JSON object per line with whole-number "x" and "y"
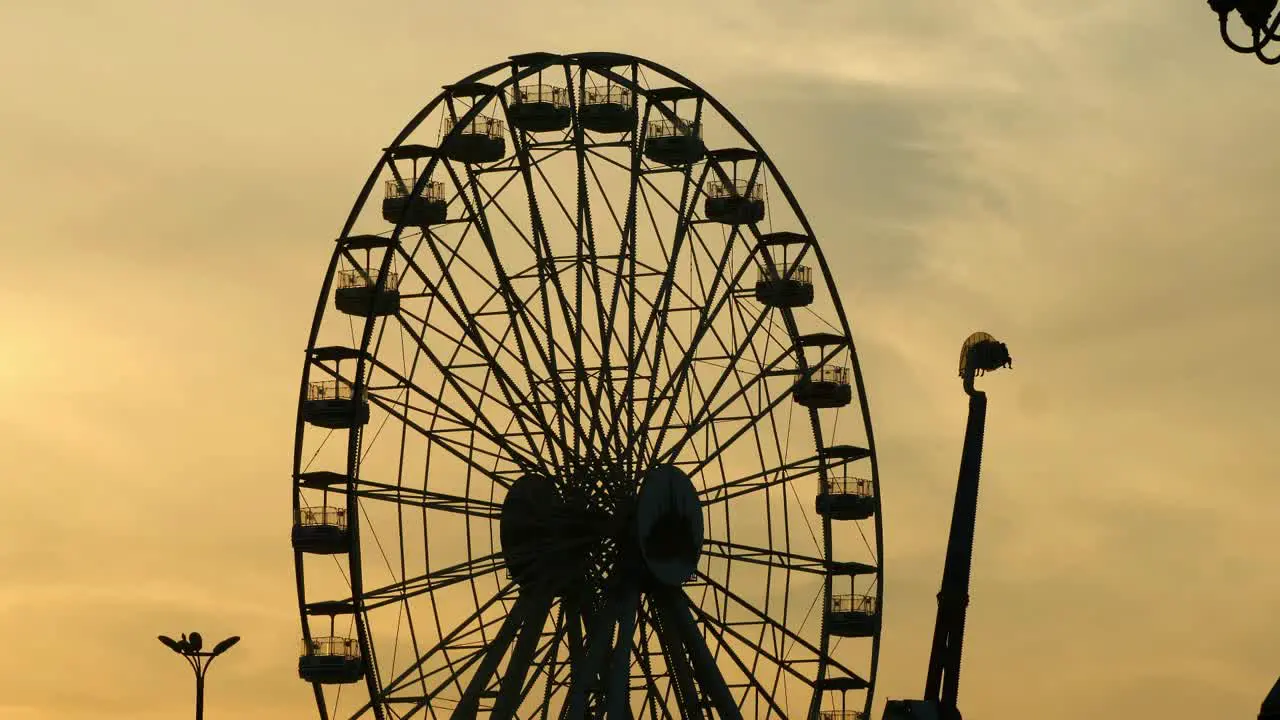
{"x": 943, "y": 681}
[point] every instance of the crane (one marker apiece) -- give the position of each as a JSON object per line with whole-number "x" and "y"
{"x": 980, "y": 354}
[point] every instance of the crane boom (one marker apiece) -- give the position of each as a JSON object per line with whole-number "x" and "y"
{"x": 981, "y": 353}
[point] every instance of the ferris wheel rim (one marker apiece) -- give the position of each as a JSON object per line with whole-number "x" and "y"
{"x": 777, "y": 180}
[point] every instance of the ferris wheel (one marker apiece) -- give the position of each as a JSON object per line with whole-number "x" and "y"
{"x": 582, "y": 431}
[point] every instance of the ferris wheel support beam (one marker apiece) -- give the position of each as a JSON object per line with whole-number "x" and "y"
{"x": 677, "y": 661}
{"x": 517, "y": 618}
{"x": 510, "y": 691}
{"x": 676, "y": 607}
{"x": 585, "y": 669}
{"x": 620, "y": 664}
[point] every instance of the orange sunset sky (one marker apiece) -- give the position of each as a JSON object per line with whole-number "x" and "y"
{"x": 1090, "y": 181}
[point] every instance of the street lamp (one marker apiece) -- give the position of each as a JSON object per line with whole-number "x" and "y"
{"x": 1259, "y": 18}
{"x": 189, "y": 647}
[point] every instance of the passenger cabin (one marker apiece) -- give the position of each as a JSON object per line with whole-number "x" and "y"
{"x": 479, "y": 141}
{"x": 539, "y": 108}
{"x": 841, "y": 715}
{"x": 401, "y": 206}
{"x": 843, "y": 684}
{"x": 910, "y": 710}
{"x": 321, "y": 531}
{"x": 677, "y": 142}
{"x": 333, "y": 404}
{"x": 784, "y": 285}
{"x": 827, "y": 387}
{"x": 734, "y": 203}
{"x": 853, "y": 616}
{"x": 331, "y": 661}
{"x": 359, "y": 293}
{"x": 608, "y": 109}
{"x": 846, "y": 498}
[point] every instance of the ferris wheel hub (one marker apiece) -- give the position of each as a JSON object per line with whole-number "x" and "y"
{"x": 669, "y": 526}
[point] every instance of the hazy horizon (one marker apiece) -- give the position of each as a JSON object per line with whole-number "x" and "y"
{"x": 1086, "y": 181}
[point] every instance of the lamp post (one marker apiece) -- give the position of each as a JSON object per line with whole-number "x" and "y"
{"x": 190, "y": 648}
{"x": 1260, "y": 20}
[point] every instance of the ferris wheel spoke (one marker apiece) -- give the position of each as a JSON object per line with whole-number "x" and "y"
{"x": 450, "y": 371}
{"x": 608, "y": 318}
{"x": 751, "y": 423}
{"x": 570, "y": 313}
{"x": 762, "y": 480}
{"x": 479, "y": 424}
{"x": 432, "y": 581}
{"x": 478, "y": 346}
{"x": 659, "y": 310}
{"x": 573, "y": 312}
{"x": 630, "y": 250}
{"x": 514, "y": 310}
{"x": 689, "y": 192}
{"x": 749, "y": 673}
{"x": 623, "y": 422}
{"x": 425, "y": 499}
{"x": 746, "y": 351}
{"x": 681, "y": 370}
{"x": 769, "y": 557}
{"x": 473, "y": 625}
{"x": 539, "y": 245}
{"x": 777, "y": 628}
{"x": 604, "y": 323}
{"x": 709, "y": 414}
{"x": 468, "y": 452}
{"x": 442, "y": 428}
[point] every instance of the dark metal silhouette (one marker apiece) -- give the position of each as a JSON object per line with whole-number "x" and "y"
{"x": 585, "y": 378}
{"x": 190, "y": 647}
{"x": 980, "y": 354}
{"x": 1261, "y": 24}
{"x": 1271, "y": 705}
